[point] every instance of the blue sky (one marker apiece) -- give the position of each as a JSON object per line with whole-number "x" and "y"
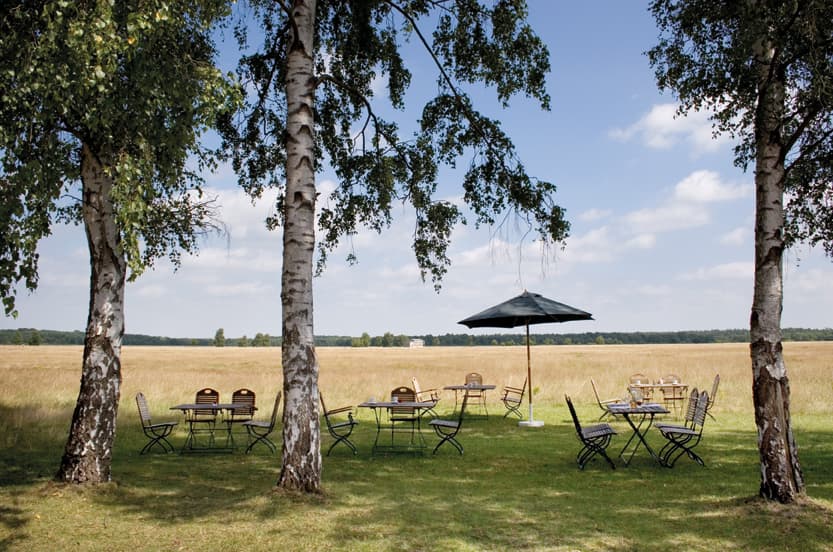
{"x": 662, "y": 223}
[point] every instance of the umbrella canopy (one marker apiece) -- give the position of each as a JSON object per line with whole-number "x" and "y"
{"x": 523, "y": 310}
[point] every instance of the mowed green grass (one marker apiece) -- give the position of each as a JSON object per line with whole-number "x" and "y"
{"x": 514, "y": 488}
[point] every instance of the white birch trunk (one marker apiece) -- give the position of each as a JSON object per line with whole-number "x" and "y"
{"x": 301, "y": 461}
{"x": 88, "y": 453}
{"x": 781, "y": 477}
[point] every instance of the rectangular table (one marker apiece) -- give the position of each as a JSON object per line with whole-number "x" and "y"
{"x": 379, "y": 406}
{"x": 466, "y": 387}
{"x": 189, "y": 409}
{"x": 637, "y": 416}
{"x": 678, "y": 391}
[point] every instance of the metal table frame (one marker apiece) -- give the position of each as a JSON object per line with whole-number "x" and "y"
{"x": 191, "y": 439}
{"x": 470, "y": 387}
{"x": 644, "y": 413}
{"x": 379, "y": 406}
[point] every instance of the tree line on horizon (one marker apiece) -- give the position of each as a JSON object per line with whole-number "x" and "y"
{"x": 32, "y": 336}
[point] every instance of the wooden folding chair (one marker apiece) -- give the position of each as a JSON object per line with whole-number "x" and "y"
{"x": 339, "y": 429}
{"x": 259, "y": 432}
{"x": 512, "y": 399}
{"x": 158, "y": 432}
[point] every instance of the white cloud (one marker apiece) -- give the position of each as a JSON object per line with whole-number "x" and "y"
{"x": 667, "y": 217}
{"x": 706, "y": 187}
{"x": 151, "y": 291}
{"x": 642, "y": 241}
{"x": 728, "y": 271}
{"x": 593, "y": 215}
{"x": 738, "y": 236}
{"x": 814, "y": 281}
{"x": 593, "y": 247}
{"x": 688, "y": 205}
{"x": 661, "y": 128}
{"x": 238, "y": 289}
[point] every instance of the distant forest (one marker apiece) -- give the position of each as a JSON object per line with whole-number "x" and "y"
{"x": 30, "y": 336}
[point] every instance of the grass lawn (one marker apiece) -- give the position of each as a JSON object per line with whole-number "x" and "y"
{"x": 514, "y": 488}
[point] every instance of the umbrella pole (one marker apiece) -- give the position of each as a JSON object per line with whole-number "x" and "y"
{"x": 531, "y": 422}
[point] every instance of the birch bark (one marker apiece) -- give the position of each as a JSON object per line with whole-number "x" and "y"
{"x": 88, "y": 452}
{"x": 301, "y": 456}
{"x": 781, "y": 476}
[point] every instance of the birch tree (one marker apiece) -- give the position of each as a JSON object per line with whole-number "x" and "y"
{"x": 312, "y": 103}
{"x": 765, "y": 70}
{"x": 101, "y": 107}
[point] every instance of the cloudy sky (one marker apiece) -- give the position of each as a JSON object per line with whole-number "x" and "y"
{"x": 662, "y": 223}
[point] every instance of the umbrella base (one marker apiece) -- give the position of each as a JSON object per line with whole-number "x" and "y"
{"x": 531, "y": 423}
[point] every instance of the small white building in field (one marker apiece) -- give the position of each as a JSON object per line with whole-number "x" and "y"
{"x": 417, "y": 343}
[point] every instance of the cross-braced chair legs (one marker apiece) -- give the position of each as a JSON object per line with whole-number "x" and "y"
{"x": 594, "y": 439}
{"x": 512, "y": 399}
{"x": 683, "y": 439}
{"x": 447, "y": 430}
{"x": 157, "y": 433}
{"x": 258, "y": 432}
{"x": 340, "y": 430}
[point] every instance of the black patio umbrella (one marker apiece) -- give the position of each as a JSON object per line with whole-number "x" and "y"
{"x": 523, "y": 310}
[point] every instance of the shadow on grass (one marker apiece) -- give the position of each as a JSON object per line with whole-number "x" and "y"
{"x": 513, "y": 488}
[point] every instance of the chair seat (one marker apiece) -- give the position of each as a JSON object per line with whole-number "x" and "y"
{"x": 597, "y": 430}
{"x": 342, "y": 424}
{"x": 677, "y": 430}
{"x": 444, "y": 423}
{"x": 256, "y": 423}
{"x": 662, "y": 426}
{"x": 163, "y": 424}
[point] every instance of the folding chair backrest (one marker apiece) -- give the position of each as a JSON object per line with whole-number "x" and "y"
{"x": 462, "y": 411}
{"x": 693, "y": 399}
{"x": 670, "y": 378}
{"x": 713, "y": 394}
{"x": 144, "y": 412}
{"x": 402, "y": 394}
{"x": 274, "y": 419}
{"x": 244, "y": 396}
{"x": 700, "y": 410}
{"x": 640, "y": 379}
{"x": 474, "y": 377}
{"x": 596, "y": 392}
{"x": 573, "y": 414}
{"x": 206, "y": 396}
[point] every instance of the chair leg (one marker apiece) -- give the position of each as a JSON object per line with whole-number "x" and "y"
{"x": 157, "y": 438}
{"x": 342, "y": 439}
{"x": 255, "y": 438}
{"x": 449, "y": 439}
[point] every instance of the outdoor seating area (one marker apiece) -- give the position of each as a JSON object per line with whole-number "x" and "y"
{"x": 639, "y": 412}
{"x": 399, "y": 417}
{"x": 202, "y": 416}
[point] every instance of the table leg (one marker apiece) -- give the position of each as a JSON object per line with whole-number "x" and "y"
{"x": 638, "y": 433}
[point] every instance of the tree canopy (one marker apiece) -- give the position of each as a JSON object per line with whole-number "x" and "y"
{"x": 101, "y": 74}
{"x": 376, "y": 164}
{"x": 704, "y": 56}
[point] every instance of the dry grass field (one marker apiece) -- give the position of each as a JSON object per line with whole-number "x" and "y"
{"x": 535, "y": 499}
{"x": 46, "y": 378}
